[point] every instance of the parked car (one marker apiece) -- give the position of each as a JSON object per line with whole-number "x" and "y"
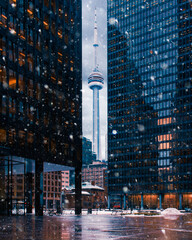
{"x": 117, "y": 206}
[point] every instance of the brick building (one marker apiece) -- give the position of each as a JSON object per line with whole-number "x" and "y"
{"x": 93, "y": 196}
{"x": 94, "y": 173}
{"x": 53, "y": 183}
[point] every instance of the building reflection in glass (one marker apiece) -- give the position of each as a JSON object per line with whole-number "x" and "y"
{"x": 155, "y": 39}
{"x": 40, "y": 83}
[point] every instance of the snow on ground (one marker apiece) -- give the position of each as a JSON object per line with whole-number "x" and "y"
{"x": 171, "y": 212}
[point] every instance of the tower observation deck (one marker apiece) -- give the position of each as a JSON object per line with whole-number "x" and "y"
{"x": 96, "y": 82}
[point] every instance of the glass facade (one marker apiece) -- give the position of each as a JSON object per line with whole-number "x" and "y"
{"x": 150, "y": 102}
{"x": 40, "y": 80}
{"x": 87, "y": 155}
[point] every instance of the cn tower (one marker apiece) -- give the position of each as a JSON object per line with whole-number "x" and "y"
{"x": 96, "y": 82}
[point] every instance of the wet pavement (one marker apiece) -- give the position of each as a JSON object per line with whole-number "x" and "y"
{"x": 99, "y": 227}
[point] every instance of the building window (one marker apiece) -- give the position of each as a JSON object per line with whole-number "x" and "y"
{"x": 38, "y": 91}
{"x": 3, "y": 18}
{"x": 21, "y": 138}
{"x": 12, "y": 107}
{"x": 46, "y": 22}
{"x": 30, "y": 9}
{"x": 30, "y": 62}
{"x": 66, "y": 39}
{"x": 3, "y": 78}
{"x": 66, "y": 17}
{"x": 30, "y": 138}
{"x": 20, "y": 110}
{"x": 46, "y": 3}
{"x": 12, "y": 55}
{"x": 21, "y": 33}
{"x": 2, "y": 135}
{"x": 53, "y": 28}
{"x": 30, "y": 113}
{"x": 53, "y": 148}
{"x": 21, "y": 84}
{"x": 46, "y": 143}
{"x": 59, "y": 33}
{"x": 12, "y": 79}
{"x": 21, "y": 57}
{"x": 2, "y": 46}
{"x": 13, "y": 3}
{"x": 12, "y": 136}
{"x": 53, "y": 5}
{"x": 30, "y": 36}
{"x": 38, "y": 41}
{"x": 30, "y": 88}
{"x": 3, "y": 105}
{"x": 12, "y": 25}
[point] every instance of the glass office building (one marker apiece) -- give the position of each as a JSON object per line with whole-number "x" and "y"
{"x": 40, "y": 86}
{"x": 150, "y": 103}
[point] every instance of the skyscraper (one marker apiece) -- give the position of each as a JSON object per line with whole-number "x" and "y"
{"x": 95, "y": 82}
{"x": 87, "y": 154}
{"x": 40, "y": 85}
{"x": 149, "y": 103}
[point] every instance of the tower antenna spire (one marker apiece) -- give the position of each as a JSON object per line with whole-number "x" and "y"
{"x": 95, "y": 44}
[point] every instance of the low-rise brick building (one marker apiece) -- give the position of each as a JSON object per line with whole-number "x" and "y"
{"x": 95, "y": 173}
{"x": 93, "y": 197}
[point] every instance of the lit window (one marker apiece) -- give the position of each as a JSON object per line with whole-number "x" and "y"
{"x": 164, "y": 121}
{"x": 66, "y": 18}
{"x": 46, "y": 22}
{"x": 3, "y": 79}
{"x": 12, "y": 79}
{"x": 30, "y": 9}
{"x": 60, "y": 10}
{"x": 21, "y": 33}
{"x": 21, "y": 137}
{"x": 2, "y": 46}
{"x": 60, "y": 57}
{"x": 60, "y": 33}
{"x": 2, "y": 135}
{"x": 12, "y": 136}
{"x": 3, "y": 18}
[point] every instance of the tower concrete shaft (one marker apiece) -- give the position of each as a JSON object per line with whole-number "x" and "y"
{"x": 96, "y": 127}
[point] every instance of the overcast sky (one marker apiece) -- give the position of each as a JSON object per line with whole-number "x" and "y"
{"x": 88, "y": 8}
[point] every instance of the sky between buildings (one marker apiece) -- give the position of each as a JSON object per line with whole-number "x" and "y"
{"x": 88, "y": 8}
